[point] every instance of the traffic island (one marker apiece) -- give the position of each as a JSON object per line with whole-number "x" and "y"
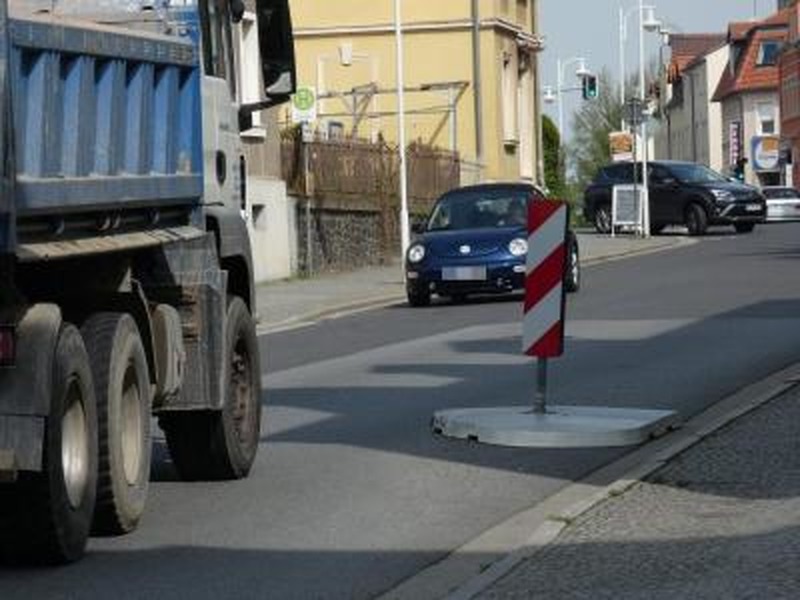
{"x": 557, "y": 427}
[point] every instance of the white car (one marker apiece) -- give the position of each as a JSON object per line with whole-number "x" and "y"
{"x": 783, "y": 203}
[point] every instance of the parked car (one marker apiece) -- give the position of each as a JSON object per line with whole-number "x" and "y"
{"x": 783, "y": 203}
{"x": 476, "y": 242}
{"x": 681, "y": 193}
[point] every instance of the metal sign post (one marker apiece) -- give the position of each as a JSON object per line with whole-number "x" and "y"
{"x": 540, "y": 401}
{"x": 543, "y": 338}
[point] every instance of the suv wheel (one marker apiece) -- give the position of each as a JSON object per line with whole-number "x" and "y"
{"x": 602, "y": 218}
{"x": 696, "y": 219}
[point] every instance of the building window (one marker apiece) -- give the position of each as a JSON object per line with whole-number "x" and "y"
{"x": 768, "y": 54}
{"x": 766, "y": 118}
{"x": 510, "y": 98}
{"x": 250, "y": 75}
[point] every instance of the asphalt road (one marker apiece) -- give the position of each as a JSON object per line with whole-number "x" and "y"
{"x": 352, "y": 494}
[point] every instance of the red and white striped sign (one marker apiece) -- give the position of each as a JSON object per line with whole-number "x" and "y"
{"x": 543, "y": 325}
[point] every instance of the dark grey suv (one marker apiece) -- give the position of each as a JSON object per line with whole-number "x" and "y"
{"x": 681, "y": 193}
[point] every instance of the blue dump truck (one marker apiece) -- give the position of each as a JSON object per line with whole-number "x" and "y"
{"x": 126, "y": 286}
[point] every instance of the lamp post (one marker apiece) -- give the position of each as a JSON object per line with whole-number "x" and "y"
{"x": 580, "y": 72}
{"x": 649, "y": 23}
{"x": 405, "y": 234}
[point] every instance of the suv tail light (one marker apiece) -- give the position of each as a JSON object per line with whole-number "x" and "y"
{"x": 8, "y": 345}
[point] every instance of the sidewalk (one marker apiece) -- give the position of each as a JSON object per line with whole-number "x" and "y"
{"x": 286, "y": 303}
{"x": 721, "y": 520}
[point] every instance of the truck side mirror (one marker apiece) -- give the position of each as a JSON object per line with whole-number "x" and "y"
{"x": 237, "y": 9}
{"x": 276, "y": 42}
{"x": 276, "y": 46}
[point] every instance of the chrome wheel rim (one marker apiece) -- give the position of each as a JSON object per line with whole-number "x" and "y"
{"x": 604, "y": 220}
{"x": 576, "y": 270}
{"x": 131, "y": 425}
{"x": 75, "y": 445}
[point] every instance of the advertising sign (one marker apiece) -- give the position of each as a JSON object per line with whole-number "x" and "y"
{"x": 735, "y": 142}
{"x": 621, "y": 143}
{"x": 766, "y": 153}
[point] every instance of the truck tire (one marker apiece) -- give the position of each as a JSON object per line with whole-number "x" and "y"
{"x": 46, "y": 517}
{"x": 124, "y": 398}
{"x": 220, "y": 445}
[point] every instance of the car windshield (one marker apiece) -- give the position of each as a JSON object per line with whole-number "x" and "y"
{"x": 480, "y": 209}
{"x": 689, "y": 173}
{"x": 781, "y": 193}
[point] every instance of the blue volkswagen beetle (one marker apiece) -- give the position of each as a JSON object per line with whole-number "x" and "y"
{"x": 476, "y": 242}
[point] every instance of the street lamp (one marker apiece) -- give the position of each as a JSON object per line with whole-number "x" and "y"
{"x": 405, "y": 233}
{"x": 548, "y": 94}
{"x": 580, "y": 72}
{"x": 647, "y": 22}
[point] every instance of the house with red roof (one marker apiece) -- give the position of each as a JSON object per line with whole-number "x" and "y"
{"x": 691, "y": 124}
{"x": 749, "y": 95}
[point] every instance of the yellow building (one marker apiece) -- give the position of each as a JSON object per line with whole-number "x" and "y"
{"x": 487, "y": 109}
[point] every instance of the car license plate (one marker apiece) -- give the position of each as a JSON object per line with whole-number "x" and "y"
{"x": 753, "y": 208}
{"x": 464, "y": 274}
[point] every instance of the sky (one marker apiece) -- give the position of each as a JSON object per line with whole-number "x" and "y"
{"x": 590, "y": 29}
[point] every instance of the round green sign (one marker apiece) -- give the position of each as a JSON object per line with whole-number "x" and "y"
{"x": 304, "y": 99}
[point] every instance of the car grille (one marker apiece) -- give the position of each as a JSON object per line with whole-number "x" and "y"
{"x": 476, "y": 249}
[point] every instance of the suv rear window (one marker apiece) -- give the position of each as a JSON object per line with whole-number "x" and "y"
{"x": 618, "y": 173}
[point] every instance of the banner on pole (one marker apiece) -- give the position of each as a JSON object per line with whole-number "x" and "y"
{"x": 543, "y": 323}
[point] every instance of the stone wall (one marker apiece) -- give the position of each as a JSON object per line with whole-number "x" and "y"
{"x": 349, "y": 189}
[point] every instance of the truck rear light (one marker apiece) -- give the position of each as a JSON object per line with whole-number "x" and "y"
{"x": 8, "y": 345}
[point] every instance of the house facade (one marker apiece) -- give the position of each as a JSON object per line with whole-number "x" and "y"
{"x": 691, "y": 125}
{"x": 486, "y": 109}
{"x": 749, "y": 96}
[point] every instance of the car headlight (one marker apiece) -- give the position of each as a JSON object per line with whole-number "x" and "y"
{"x": 723, "y": 195}
{"x": 416, "y": 253}
{"x": 518, "y": 247}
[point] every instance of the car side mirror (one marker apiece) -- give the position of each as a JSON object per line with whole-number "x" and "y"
{"x": 418, "y": 227}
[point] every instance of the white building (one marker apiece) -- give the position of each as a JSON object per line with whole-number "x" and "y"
{"x": 691, "y": 124}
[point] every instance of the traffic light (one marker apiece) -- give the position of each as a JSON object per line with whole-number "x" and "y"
{"x": 590, "y": 89}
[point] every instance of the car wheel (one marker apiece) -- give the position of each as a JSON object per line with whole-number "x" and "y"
{"x": 572, "y": 281}
{"x": 745, "y": 227}
{"x": 602, "y": 218}
{"x": 696, "y": 219}
{"x": 418, "y": 297}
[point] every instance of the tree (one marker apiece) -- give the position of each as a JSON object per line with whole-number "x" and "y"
{"x": 592, "y": 123}
{"x": 554, "y": 172}
{"x": 590, "y": 150}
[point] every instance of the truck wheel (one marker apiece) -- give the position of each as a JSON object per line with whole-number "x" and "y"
{"x": 696, "y": 219}
{"x": 46, "y": 517}
{"x": 223, "y": 445}
{"x": 124, "y": 397}
{"x": 602, "y": 218}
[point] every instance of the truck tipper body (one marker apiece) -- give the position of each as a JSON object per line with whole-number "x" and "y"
{"x": 126, "y": 285}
